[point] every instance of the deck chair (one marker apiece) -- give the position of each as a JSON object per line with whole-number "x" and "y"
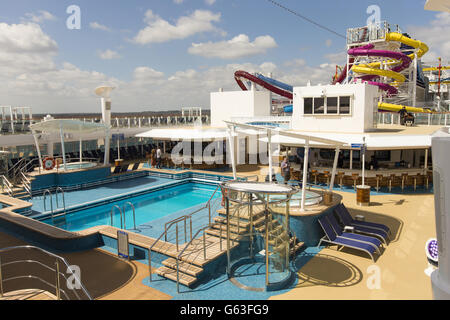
{"x": 380, "y": 234}
{"x": 348, "y": 220}
{"x": 135, "y": 166}
{"x": 340, "y": 231}
{"x": 117, "y": 170}
{"x": 124, "y": 168}
{"x": 332, "y": 238}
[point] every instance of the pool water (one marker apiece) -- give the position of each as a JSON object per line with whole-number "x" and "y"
{"x": 148, "y": 207}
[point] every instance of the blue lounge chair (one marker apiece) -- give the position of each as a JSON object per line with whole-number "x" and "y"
{"x": 348, "y": 220}
{"x": 380, "y": 234}
{"x": 332, "y": 238}
{"x": 350, "y": 235}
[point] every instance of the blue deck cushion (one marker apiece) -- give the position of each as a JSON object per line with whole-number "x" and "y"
{"x": 358, "y": 237}
{"x": 342, "y": 211}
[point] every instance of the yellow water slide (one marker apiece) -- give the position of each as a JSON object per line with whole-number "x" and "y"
{"x": 374, "y": 69}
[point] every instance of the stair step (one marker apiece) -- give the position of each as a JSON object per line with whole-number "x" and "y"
{"x": 234, "y": 230}
{"x": 216, "y": 233}
{"x": 171, "y": 274}
{"x": 296, "y": 247}
{"x": 184, "y": 267}
{"x": 233, "y": 221}
{"x": 278, "y": 238}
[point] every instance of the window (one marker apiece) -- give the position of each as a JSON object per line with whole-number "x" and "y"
{"x": 327, "y": 105}
{"x": 383, "y": 155}
{"x": 332, "y": 105}
{"x": 319, "y": 105}
{"x": 308, "y": 104}
{"x": 344, "y": 105}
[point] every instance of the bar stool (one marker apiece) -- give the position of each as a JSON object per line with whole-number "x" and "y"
{"x": 326, "y": 174}
{"x": 355, "y": 177}
{"x": 404, "y": 180}
{"x": 391, "y": 181}
{"x": 314, "y": 174}
{"x": 341, "y": 175}
{"x": 379, "y": 181}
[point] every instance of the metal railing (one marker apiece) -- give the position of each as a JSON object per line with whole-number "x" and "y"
{"x": 7, "y": 185}
{"x": 122, "y": 218}
{"x": 168, "y": 226}
{"x": 44, "y": 195}
{"x": 59, "y": 261}
{"x": 429, "y": 119}
{"x": 134, "y": 213}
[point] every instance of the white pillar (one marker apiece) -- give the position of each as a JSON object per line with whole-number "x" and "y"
{"x": 36, "y": 142}
{"x": 269, "y": 140}
{"x": 333, "y": 172}
{"x": 363, "y": 161}
{"x": 425, "y": 167}
{"x": 63, "y": 149}
{"x": 12, "y": 119}
{"x": 305, "y": 175}
{"x": 107, "y": 143}
{"x": 351, "y": 160}
{"x": 81, "y": 150}
{"x": 231, "y": 134}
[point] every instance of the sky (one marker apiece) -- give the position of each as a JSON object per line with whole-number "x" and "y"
{"x": 169, "y": 54}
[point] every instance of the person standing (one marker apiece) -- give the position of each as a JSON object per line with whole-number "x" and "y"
{"x": 286, "y": 170}
{"x": 158, "y": 158}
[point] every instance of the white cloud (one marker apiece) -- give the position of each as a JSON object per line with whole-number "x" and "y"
{"x": 210, "y": 2}
{"x": 178, "y": 1}
{"x": 436, "y": 36}
{"x": 98, "y": 26}
{"x": 328, "y": 43}
{"x": 238, "y": 47}
{"x": 109, "y": 55}
{"x": 159, "y": 30}
{"x": 40, "y": 17}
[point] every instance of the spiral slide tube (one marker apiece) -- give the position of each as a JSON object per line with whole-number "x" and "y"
{"x": 402, "y": 61}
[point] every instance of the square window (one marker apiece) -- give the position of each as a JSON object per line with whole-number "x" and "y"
{"x": 308, "y": 105}
{"x": 319, "y": 105}
{"x": 344, "y": 105}
{"x": 332, "y": 105}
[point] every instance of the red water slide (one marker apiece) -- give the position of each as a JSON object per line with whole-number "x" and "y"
{"x": 243, "y": 74}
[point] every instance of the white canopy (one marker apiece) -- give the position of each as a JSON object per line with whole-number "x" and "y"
{"x": 185, "y": 134}
{"x": 68, "y": 126}
{"x": 373, "y": 141}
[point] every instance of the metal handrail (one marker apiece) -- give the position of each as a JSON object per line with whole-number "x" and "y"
{"x": 63, "y": 198}
{"x": 13, "y": 169}
{"x": 122, "y": 222}
{"x": 184, "y": 249}
{"x": 57, "y": 286}
{"x": 9, "y": 186}
{"x": 47, "y": 191}
{"x": 134, "y": 212}
{"x": 184, "y": 218}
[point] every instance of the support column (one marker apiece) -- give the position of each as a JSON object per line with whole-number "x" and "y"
{"x": 425, "y": 167}
{"x": 231, "y": 133}
{"x": 351, "y": 160}
{"x": 269, "y": 140}
{"x": 305, "y": 175}
{"x": 36, "y": 142}
{"x": 333, "y": 172}
{"x": 81, "y": 150}
{"x": 63, "y": 149}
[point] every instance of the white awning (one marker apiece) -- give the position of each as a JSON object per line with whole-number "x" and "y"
{"x": 185, "y": 134}
{"x": 373, "y": 142}
{"x": 68, "y": 126}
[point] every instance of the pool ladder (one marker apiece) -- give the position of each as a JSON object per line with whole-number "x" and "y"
{"x": 63, "y": 214}
{"x": 123, "y": 224}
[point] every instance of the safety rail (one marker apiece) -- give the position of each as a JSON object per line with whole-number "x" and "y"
{"x": 44, "y": 196}
{"x": 58, "y": 274}
{"x": 134, "y": 213}
{"x": 12, "y": 172}
{"x": 8, "y": 185}
{"x": 122, "y": 218}
{"x": 180, "y": 255}
{"x": 175, "y": 222}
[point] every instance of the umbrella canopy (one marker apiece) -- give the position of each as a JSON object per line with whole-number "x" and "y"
{"x": 68, "y": 126}
{"x": 185, "y": 134}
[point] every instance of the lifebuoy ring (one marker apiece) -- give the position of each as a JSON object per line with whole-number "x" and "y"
{"x": 49, "y": 163}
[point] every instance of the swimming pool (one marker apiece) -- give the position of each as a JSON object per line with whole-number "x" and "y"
{"x": 149, "y": 207}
